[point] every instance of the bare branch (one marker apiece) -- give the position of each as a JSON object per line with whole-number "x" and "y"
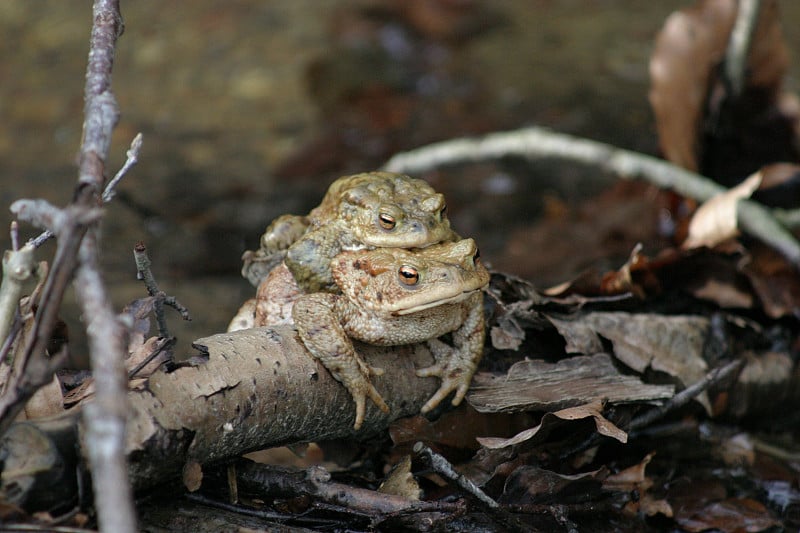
{"x": 739, "y": 45}
{"x": 105, "y": 417}
{"x": 539, "y": 143}
{"x": 316, "y": 482}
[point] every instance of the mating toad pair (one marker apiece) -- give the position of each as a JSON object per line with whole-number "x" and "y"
{"x": 376, "y": 261}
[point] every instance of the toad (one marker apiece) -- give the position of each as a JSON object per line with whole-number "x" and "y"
{"x": 392, "y": 296}
{"x": 363, "y": 211}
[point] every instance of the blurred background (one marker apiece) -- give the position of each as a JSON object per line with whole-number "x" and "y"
{"x": 250, "y": 109}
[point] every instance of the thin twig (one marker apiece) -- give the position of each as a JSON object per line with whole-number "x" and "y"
{"x": 108, "y": 193}
{"x": 163, "y": 344}
{"x": 8, "y": 342}
{"x": 14, "y": 233}
{"x": 539, "y": 143}
{"x": 687, "y": 394}
{"x": 682, "y": 398}
{"x": 442, "y": 466}
{"x": 132, "y": 158}
{"x": 42, "y": 238}
{"x": 326, "y": 523}
{"x": 145, "y": 274}
{"x": 739, "y": 45}
{"x": 27, "y": 528}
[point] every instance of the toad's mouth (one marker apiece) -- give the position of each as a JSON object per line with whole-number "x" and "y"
{"x": 459, "y": 297}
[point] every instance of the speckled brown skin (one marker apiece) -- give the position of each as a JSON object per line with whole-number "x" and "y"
{"x": 391, "y": 297}
{"x": 363, "y": 211}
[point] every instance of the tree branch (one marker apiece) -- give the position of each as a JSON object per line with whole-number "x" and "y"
{"x": 105, "y": 417}
{"x": 539, "y": 143}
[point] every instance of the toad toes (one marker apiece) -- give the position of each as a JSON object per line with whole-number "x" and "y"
{"x": 363, "y": 211}
{"x": 393, "y": 296}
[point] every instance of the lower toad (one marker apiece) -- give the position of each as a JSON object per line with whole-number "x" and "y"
{"x": 393, "y": 296}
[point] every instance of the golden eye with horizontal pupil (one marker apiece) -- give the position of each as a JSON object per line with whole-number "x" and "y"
{"x": 387, "y": 221}
{"x": 408, "y": 275}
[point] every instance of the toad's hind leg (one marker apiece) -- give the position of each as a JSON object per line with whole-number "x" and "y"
{"x": 323, "y": 335}
{"x": 279, "y": 235}
{"x": 282, "y": 233}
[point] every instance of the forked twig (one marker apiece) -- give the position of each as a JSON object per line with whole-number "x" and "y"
{"x": 145, "y": 274}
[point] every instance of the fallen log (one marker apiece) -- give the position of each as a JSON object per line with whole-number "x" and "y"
{"x": 230, "y": 400}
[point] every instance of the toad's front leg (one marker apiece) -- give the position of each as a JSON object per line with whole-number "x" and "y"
{"x": 309, "y": 259}
{"x": 456, "y": 366}
{"x": 315, "y": 316}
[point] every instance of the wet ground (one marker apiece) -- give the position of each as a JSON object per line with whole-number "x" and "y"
{"x": 250, "y": 109}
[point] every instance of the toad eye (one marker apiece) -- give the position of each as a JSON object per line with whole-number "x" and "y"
{"x": 387, "y": 221}
{"x": 408, "y": 275}
{"x": 477, "y": 257}
{"x": 443, "y": 212}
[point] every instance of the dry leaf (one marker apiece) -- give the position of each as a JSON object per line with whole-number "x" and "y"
{"x": 400, "y": 482}
{"x": 737, "y": 450}
{"x": 733, "y": 515}
{"x": 139, "y": 312}
{"x": 80, "y": 393}
{"x": 593, "y": 410}
{"x": 539, "y": 385}
{"x": 724, "y": 294}
{"x": 775, "y": 281}
{"x": 767, "y": 384}
{"x": 46, "y": 401}
{"x": 530, "y": 484}
{"x": 192, "y": 476}
{"x": 507, "y": 335}
{"x": 633, "y": 479}
{"x": 715, "y": 221}
{"x": 630, "y": 478}
{"x": 670, "y": 344}
{"x": 700, "y": 125}
{"x": 457, "y": 429}
{"x": 159, "y": 346}
{"x": 691, "y": 43}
